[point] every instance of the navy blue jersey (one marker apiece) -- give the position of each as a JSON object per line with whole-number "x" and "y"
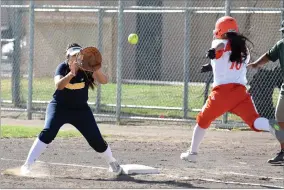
{"x": 75, "y": 94}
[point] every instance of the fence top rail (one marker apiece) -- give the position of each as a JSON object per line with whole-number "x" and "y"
{"x": 7, "y": 40}
{"x": 46, "y": 7}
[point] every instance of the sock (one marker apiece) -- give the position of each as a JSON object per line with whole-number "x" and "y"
{"x": 37, "y": 148}
{"x": 107, "y": 155}
{"x": 197, "y": 137}
{"x": 262, "y": 124}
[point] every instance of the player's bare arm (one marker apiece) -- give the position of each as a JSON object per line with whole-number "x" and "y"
{"x": 99, "y": 76}
{"x": 260, "y": 62}
{"x": 61, "y": 82}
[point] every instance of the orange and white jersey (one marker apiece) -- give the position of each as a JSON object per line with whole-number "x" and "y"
{"x": 225, "y": 71}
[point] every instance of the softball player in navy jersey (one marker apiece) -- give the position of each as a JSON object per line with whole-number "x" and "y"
{"x": 69, "y": 105}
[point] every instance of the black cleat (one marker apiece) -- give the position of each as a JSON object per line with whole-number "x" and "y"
{"x": 277, "y": 159}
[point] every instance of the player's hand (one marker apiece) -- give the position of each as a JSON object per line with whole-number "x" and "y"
{"x": 206, "y": 68}
{"x": 100, "y": 77}
{"x": 211, "y": 53}
{"x": 73, "y": 68}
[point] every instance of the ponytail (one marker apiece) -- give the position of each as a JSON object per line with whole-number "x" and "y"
{"x": 238, "y": 47}
{"x": 90, "y": 80}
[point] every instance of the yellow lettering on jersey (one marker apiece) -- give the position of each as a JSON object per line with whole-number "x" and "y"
{"x": 75, "y": 86}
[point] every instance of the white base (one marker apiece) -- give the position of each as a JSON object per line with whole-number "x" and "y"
{"x": 129, "y": 169}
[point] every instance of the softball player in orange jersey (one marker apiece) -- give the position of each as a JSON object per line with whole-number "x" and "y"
{"x": 229, "y": 56}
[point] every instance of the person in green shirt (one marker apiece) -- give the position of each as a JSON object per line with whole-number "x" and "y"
{"x": 274, "y": 54}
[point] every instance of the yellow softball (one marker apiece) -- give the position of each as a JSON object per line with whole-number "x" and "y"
{"x": 133, "y": 38}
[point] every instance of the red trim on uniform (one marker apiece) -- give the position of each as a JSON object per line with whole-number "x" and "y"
{"x": 228, "y": 47}
{"x": 219, "y": 54}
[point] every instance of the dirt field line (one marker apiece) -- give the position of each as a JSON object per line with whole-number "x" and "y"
{"x": 220, "y": 181}
{"x": 233, "y": 174}
{"x": 201, "y": 170}
{"x": 176, "y": 177}
{"x": 59, "y": 164}
{"x": 239, "y": 174}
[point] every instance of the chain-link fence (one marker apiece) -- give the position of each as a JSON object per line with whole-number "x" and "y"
{"x": 158, "y": 78}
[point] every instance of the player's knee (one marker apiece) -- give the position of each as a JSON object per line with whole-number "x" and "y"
{"x": 203, "y": 123}
{"x": 99, "y": 145}
{"x": 260, "y": 124}
{"x": 47, "y": 136}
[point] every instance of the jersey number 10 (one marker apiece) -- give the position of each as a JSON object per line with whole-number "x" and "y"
{"x": 236, "y": 66}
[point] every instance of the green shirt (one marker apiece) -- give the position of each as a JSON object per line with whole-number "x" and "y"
{"x": 275, "y": 53}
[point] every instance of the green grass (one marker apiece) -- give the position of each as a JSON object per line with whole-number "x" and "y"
{"x": 141, "y": 95}
{"x": 30, "y": 132}
{"x": 152, "y": 95}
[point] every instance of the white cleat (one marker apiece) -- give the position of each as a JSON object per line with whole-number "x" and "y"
{"x": 115, "y": 168}
{"x": 25, "y": 169}
{"x": 189, "y": 156}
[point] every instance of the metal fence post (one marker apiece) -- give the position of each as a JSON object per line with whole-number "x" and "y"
{"x": 228, "y": 7}
{"x": 31, "y": 59}
{"x": 0, "y": 78}
{"x": 100, "y": 47}
{"x": 119, "y": 61}
{"x": 186, "y": 60}
{"x": 228, "y": 10}
{"x": 17, "y": 30}
{"x": 282, "y": 17}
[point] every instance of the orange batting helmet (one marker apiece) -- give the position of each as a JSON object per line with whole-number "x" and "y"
{"x": 225, "y": 24}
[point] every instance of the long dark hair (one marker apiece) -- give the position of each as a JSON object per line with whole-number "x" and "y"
{"x": 90, "y": 82}
{"x": 238, "y": 47}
